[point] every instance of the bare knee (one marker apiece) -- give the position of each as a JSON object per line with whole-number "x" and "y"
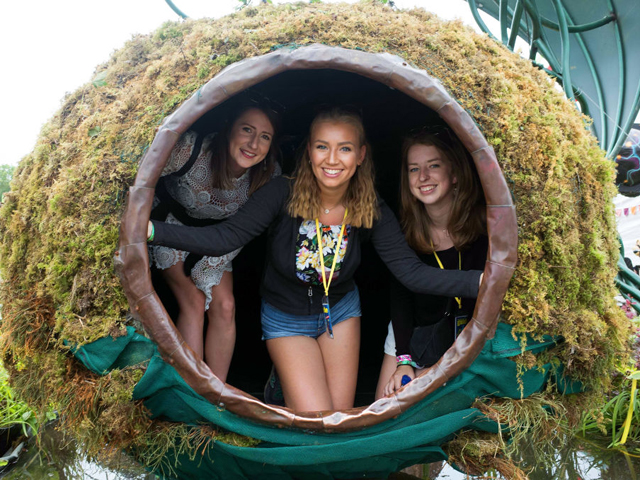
{"x": 223, "y": 309}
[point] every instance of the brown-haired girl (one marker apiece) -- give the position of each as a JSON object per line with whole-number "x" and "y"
{"x": 207, "y": 179}
{"x": 316, "y": 223}
{"x": 442, "y": 212}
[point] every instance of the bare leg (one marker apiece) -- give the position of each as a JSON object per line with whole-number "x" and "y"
{"x": 191, "y": 303}
{"x": 319, "y": 374}
{"x": 298, "y": 361}
{"x": 340, "y": 356}
{"x": 221, "y": 333}
{"x": 389, "y": 364}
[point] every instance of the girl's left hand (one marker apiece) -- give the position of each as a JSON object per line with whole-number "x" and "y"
{"x": 395, "y": 382}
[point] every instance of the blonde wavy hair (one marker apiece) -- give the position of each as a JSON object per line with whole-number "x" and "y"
{"x": 360, "y": 199}
{"x": 468, "y": 212}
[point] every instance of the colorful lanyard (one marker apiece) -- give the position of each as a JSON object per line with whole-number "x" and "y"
{"x": 458, "y": 299}
{"x": 325, "y": 300}
{"x": 335, "y": 256}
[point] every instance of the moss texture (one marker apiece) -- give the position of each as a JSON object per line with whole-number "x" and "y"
{"x": 59, "y": 225}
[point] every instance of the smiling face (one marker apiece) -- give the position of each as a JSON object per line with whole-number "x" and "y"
{"x": 335, "y": 152}
{"x": 430, "y": 177}
{"x": 249, "y": 140}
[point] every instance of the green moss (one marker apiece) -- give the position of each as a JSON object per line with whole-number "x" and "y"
{"x": 59, "y": 225}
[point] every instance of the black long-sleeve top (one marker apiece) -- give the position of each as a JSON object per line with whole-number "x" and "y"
{"x": 267, "y": 210}
{"x": 410, "y": 310}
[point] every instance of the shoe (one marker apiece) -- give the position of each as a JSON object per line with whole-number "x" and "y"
{"x": 273, "y": 389}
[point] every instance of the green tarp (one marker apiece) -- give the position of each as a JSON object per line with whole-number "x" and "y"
{"x": 413, "y": 437}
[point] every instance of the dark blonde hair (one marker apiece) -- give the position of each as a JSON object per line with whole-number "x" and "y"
{"x": 468, "y": 216}
{"x": 360, "y": 199}
{"x": 260, "y": 173}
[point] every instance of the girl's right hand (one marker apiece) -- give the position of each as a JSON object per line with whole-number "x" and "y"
{"x": 395, "y": 382}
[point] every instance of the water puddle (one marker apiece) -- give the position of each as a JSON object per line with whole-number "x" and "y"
{"x": 581, "y": 459}
{"x": 58, "y": 458}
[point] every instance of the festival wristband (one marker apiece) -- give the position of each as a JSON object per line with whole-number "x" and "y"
{"x": 405, "y": 360}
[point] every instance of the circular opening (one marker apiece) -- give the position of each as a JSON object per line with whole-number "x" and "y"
{"x": 393, "y": 98}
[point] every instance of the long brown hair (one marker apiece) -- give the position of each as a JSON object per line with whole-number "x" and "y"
{"x": 260, "y": 173}
{"x": 468, "y": 216}
{"x": 360, "y": 198}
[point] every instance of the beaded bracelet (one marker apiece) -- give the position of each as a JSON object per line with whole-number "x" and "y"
{"x": 153, "y": 232}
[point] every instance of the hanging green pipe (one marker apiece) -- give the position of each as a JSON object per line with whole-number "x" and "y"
{"x": 476, "y": 16}
{"x": 635, "y": 108}
{"x": 596, "y": 81}
{"x": 532, "y": 13}
{"x": 538, "y": 37}
{"x": 504, "y": 18}
{"x": 566, "y": 50}
{"x": 584, "y": 107}
{"x": 528, "y": 26}
{"x": 548, "y": 55}
{"x": 515, "y": 24}
{"x": 585, "y": 27}
{"x": 176, "y": 9}
{"x": 627, "y": 275}
{"x": 621, "y": 71}
{"x": 522, "y": 24}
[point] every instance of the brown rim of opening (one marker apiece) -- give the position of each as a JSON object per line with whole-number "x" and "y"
{"x": 132, "y": 261}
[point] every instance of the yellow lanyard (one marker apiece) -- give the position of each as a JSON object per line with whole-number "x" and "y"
{"x": 458, "y": 299}
{"x": 335, "y": 255}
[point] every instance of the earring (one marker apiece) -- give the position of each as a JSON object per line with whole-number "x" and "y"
{"x": 264, "y": 165}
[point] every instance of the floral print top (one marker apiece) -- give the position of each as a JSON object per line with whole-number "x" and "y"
{"x": 308, "y": 256}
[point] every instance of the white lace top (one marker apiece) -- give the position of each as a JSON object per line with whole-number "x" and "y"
{"x": 194, "y": 191}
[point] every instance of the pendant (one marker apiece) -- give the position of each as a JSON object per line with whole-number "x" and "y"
{"x": 326, "y": 211}
{"x": 327, "y": 315}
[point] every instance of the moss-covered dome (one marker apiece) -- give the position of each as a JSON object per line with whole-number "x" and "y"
{"x": 60, "y": 223}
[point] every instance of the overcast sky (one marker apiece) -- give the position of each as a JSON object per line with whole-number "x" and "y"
{"x": 50, "y": 47}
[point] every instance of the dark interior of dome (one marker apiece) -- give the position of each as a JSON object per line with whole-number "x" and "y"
{"x": 297, "y": 95}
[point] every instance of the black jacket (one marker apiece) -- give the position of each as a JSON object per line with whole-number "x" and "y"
{"x": 267, "y": 209}
{"x": 410, "y": 310}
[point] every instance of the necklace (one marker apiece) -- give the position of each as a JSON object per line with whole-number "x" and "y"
{"x": 327, "y": 210}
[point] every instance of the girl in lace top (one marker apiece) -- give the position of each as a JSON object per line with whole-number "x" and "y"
{"x": 212, "y": 186}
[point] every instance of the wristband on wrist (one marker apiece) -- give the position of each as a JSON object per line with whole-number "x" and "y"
{"x": 405, "y": 360}
{"x": 153, "y": 232}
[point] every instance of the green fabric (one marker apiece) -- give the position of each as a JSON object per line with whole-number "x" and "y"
{"x": 413, "y": 437}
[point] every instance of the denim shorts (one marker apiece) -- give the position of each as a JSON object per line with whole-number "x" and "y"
{"x": 276, "y": 323}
